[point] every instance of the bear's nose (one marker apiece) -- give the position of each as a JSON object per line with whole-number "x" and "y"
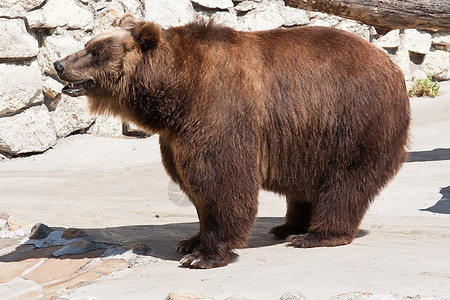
{"x": 58, "y": 67}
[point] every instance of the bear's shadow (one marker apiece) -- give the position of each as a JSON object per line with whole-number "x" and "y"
{"x": 443, "y": 205}
{"x": 163, "y": 239}
{"x": 438, "y": 154}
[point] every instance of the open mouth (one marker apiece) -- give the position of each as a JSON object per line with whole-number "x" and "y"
{"x": 78, "y": 88}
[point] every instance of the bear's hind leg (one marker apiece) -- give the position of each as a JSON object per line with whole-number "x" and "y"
{"x": 338, "y": 211}
{"x": 298, "y": 215}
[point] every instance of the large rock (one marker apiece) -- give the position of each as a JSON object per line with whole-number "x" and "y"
{"x": 441, "y": 38}
{"x": 293, "y": 16}
{"x": 61, "y": 13}
{"x": 15, "y": 41}
{"x": 40, "y": 231}
{"x": 109, "y": 12}
{"x": 27, "y": 132}
{"x": 401, "y": 58}
{"x": 18, "y": 8}
{"x": 266, "y": 16}
{"x": 437, "y": 63}
{"x": 134, "y": 7}
{"x": 388, "y": 41}
{"x": 20, "y": 86}
{"x": 417, "y": 41}
{"x": 245, "y": 6}
{"x": 225, "y": 18}
{"x": 107, "y": 126}
{"x": 322, "y": 19}
{"x": 57, "y": 46}
{"x": 169, "y": 12}
{"x": 51, "y": 88}
{"x": 355, "y": 27}
{"x": 71, "y": 114}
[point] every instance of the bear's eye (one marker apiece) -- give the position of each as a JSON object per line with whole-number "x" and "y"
{"x": 96, "y": 57}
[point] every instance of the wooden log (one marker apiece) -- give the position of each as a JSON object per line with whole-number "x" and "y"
{"x": 385, "y": 15}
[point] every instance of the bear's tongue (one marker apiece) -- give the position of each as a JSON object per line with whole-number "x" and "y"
{"x": 78, "y": 88}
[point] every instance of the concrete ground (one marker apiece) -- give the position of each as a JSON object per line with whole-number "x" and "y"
{"x": 116, "y": 190}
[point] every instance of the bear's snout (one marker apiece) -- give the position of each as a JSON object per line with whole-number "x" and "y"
{"x": 58, "y": 67}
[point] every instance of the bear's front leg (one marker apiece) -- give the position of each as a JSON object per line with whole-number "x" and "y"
{"x": 224, "y": 190}
{"x": 226, "y": 219}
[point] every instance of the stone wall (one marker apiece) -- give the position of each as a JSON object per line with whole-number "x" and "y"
{"x": 35, "y": 33}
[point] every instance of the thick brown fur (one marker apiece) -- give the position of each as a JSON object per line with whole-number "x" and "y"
{"x": 316, "y": 114}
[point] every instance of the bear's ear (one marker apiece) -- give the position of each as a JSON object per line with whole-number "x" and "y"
{"x": 127, "y": 22}
{"x": 147, "y": 35}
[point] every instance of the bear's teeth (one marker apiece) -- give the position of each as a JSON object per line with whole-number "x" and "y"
{"x": 71, "y": 85}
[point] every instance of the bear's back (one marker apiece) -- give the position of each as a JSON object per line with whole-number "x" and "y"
{"x": 333, "y": 98}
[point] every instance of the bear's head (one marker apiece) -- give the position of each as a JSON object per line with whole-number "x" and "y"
{"x": 108, "y": 61}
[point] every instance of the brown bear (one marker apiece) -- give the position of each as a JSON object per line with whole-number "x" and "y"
{"x": 313, "y": 113}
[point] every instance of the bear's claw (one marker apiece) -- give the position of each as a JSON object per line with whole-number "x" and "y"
{"x": 197, "y": 260}
{"x": 311, "y": 240}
